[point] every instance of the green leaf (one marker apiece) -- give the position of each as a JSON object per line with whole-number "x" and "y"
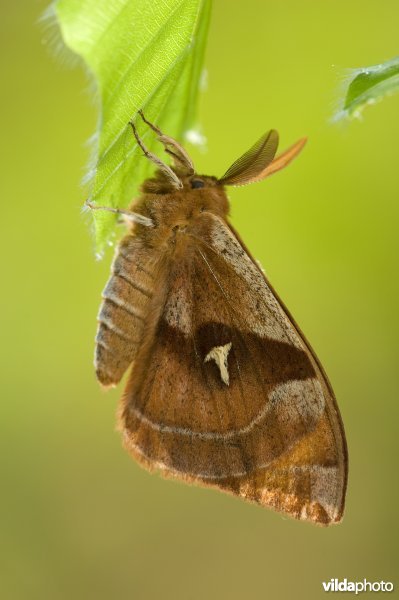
{"x": 368, "y": 85}
{"x": 144, "y": 54}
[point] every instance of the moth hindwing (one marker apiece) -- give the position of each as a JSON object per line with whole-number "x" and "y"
{"x": 223, "y": 390}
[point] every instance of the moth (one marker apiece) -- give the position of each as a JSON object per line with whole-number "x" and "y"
{"x": 224, "y": 390}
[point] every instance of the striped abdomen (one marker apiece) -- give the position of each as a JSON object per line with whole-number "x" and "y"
{"x": 126, "y": 301}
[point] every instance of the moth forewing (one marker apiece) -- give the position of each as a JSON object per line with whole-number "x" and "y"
{"x": 224, "y": 390}
{"x": 326, "y": 446}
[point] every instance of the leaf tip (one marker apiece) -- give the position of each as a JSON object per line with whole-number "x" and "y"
{"x": 366, "y": 86}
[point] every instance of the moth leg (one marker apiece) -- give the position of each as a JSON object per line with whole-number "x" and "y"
{"x": 161, "y": 165}
{"x": 172, "y": 147}
{"x": 136, "y": 217}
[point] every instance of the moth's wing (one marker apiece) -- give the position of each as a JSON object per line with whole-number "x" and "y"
{"x": 127, "y": 300}
{"x": 227, "y": 393}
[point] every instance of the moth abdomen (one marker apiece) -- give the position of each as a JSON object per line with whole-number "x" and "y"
{"x": 114, "y": 345}
{"x": 122, "y": 314}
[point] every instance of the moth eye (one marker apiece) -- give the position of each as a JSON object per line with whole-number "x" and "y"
{"x": 202, "y": 208}
{"x": 197, "y": 183}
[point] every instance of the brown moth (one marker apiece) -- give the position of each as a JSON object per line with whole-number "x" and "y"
{"x": 224, "y": 390}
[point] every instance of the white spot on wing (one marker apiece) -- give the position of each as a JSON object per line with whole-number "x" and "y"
{"x": 220, "y": 355}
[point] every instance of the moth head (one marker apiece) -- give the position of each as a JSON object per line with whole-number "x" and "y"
{"x": 190, "y": 192}
{"x": 205, "y": 193}
{"x": 260, "y": 161}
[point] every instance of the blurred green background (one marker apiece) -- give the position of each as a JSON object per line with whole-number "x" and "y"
{"x": 79, "y": 518}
